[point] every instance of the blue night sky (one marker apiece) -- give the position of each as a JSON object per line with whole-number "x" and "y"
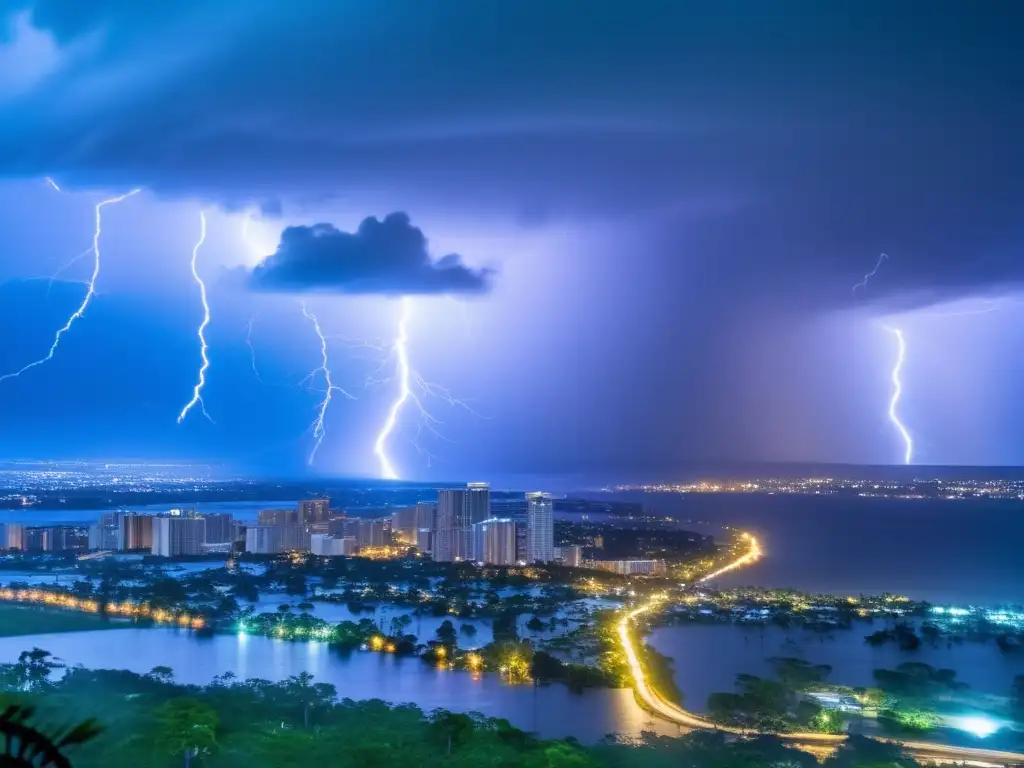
{"x": 629, "y": 236}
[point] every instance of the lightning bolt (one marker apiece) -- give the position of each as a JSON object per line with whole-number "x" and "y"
{"x": 252, "y": 349}
{"x": 897, "y": 391}
{"x": 197, "y": 391}
{"x": 412, "y": 389}
{"x": 401, "y": 351}
{"x": 77, "y": 314}
{"x": 324, "y": 367}
{"x": 864, "y": 283}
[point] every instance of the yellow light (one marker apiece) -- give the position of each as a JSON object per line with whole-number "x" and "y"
{"x": 440, "y": 651}
{"x": 473, "y": 661}
{"x": 376, "y": 642}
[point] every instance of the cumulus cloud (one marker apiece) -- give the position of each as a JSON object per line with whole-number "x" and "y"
{"x": 381, "y": 257}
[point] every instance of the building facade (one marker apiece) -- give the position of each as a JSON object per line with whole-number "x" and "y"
{"x": 571, "y": 556}
{"x": 404, "y": 524}
{"x": 314, "y": 510}
{"x": 220, "y": 528}
{"x": 136, "y": 531}
{"x": 451, "y": 503}
{"x": 177, "y": 536}
{"x": 540, "y": 528}
{"x": 325, "y": 545}
{"x": 12, "y": 536}
{"x": 276, "y": 539}
{"x": 278, "y": 517}
{"x": 494, "y": 541}
{"x": 513, "y": 508}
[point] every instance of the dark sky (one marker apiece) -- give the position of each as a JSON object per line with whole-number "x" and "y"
{"x": 630, "y": 231}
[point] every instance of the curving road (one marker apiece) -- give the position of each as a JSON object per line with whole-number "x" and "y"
{"x": 675, "y": 714}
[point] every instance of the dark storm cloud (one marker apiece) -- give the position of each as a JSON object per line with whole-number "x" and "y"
{"x": 832, "y": 133}
{"x": 381, "y": 257}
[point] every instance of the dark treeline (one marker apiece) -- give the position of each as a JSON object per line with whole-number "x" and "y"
{"x": 150, "y": 720}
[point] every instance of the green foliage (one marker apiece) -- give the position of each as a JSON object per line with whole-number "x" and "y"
{"x": 918, "y": 680}
{"x": 446, "y": 634}
{"x": 799, "y": 674}
{"x": 28, "y": 746}
{"x": 185, "y": 727}
{"x": 828, "y": 721}
{"x": 912, "y": 719}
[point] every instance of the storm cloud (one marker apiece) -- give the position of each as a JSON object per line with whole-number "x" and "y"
{"x": 824, "y": 155}
{"x": 381, "y": 257}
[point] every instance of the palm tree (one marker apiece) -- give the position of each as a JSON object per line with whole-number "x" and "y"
{"x": 27, "y": 747}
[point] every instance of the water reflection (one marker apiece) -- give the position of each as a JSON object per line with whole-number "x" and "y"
{"x": 551, "y": 711}
{"x": 708, "y": 657}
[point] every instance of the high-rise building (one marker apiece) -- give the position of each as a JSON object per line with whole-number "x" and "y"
{"x": 220, "y": 528}
{"x": 494, "y": 541}
{"x": 278, "y": 517}
{"x": 451, "y": 504}
{"x": 404, "y": 524}
{"x": 325, "y": 545}
{"x": 540, "y": 528}
{"x": 513, "y": 508}
{"x": 314, "y": 510}
{"x": 571, "y": 555}
{"x": 478, "y": 503}
{"x": 56, "y": 538}
{"x": 105, "y": 534}
{"x": 426, "y": 512}
{"x": 178, "y": 536}
{"x": 457, "y": 510}
{"x": 136, "y": 531}
{"x": 371, "y": 533}
{"x": 12, "y": 536}
{"x": 276, "y": 539}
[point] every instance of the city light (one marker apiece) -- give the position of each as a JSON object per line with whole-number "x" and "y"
{"x": 976, "y": 725}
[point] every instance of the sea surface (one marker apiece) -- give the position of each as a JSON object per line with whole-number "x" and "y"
{"x": 943, "y": 551}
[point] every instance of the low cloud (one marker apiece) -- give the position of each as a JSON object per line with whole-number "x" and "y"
{"x": 380, "y": 257}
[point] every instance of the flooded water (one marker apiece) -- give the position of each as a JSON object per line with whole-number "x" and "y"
{"x": 552, "y": 711}
{"x": 943, "y": 551}
{"x": 708, "y": 657}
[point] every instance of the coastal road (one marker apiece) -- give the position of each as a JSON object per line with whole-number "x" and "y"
{"x": 811, "y": 740}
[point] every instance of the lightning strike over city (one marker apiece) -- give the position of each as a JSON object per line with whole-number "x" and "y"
{"x": 412, "y": 389}
{"x": 897, "y": 392}
{"x": 645, "y": 250}
{"x": 197, "y": 391}
{"x": 401, "y": 352}
{"x": 91, "y": 289}
{"x": 330, "y": 387}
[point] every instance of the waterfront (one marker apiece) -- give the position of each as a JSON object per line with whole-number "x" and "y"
{"x": 550, "y": 710}
{"x": 943, "y": 551}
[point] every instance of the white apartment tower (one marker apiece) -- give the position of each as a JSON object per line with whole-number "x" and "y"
{"x": 540, "y": 528}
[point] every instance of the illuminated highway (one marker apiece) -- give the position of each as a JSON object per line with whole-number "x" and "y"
{"x": 812, "y": 741}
